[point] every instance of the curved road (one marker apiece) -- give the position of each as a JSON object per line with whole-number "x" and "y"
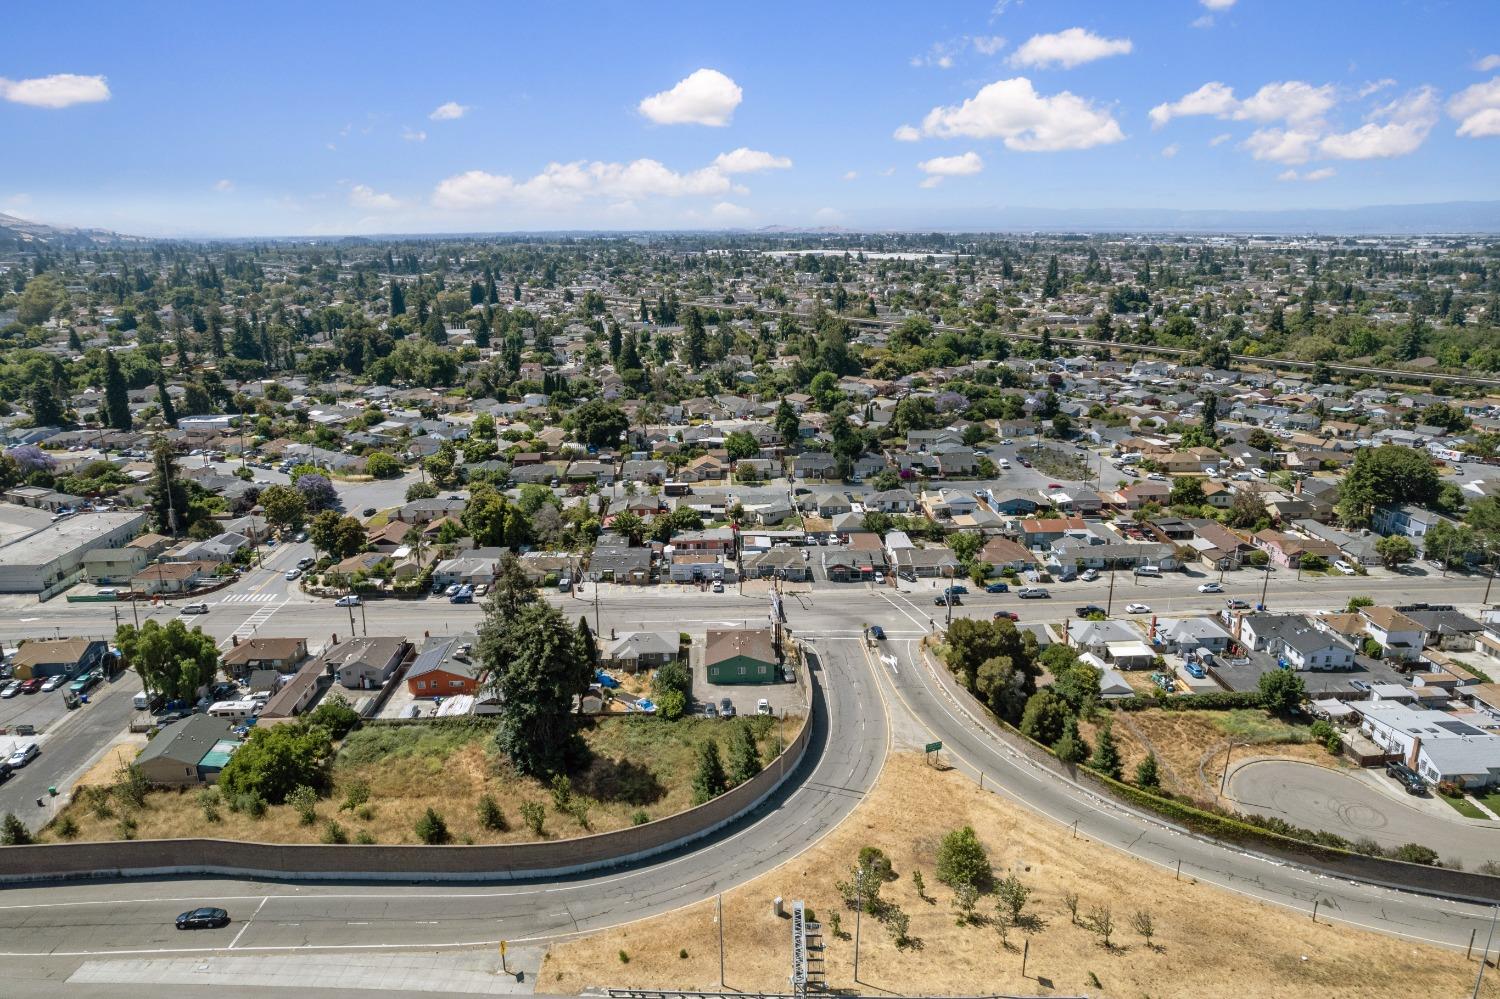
{"x": 52, "y": 929}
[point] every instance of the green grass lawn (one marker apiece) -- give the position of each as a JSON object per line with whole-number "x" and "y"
{"x": 1491, "y": 801}
{"x": 1464, "y": 807}
{"x": 1254, "y": 725}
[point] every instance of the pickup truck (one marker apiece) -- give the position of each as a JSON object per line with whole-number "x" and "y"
{"x": 1033, "y": 593}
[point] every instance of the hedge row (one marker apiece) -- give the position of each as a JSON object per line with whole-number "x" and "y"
{"x": 1218, "y": 700}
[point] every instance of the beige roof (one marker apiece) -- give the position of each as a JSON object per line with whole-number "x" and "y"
{"x": 51, "y": 650}
{"x": 754, "y": 643}
{"x": 266, "y": 648}
{"x": 1389, "y": 619}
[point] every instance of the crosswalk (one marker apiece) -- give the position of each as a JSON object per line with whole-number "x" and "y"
{"x": 249, "y": 598}
{"x": 251, "y": 625}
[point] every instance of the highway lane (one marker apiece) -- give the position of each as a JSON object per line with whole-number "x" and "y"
{"x": 974, "y": 745}
{"x": 83, "y": 920}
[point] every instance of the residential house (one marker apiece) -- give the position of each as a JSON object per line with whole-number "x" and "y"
{"x": 446, "y": 666}
{"x": 189, "y": 752}
{"x": 366, "y": 663}
{"x": 298, "y": 692}
{"x": 1180, "y": 635}
{"x": 113, "y": 566}
{"x": 1401, "y": 639}
{"x": 1404, "y": 519}
{"x": 741, "y": 656}
{"x": 638, "y": 650}
{"x": 284, "y": 655}
{"x": 166, "y": 578}
{"x": 66, "y": 657}
{"x": 1288, "y": 550}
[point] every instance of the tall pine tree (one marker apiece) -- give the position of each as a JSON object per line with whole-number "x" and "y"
{"x": 116, "y": 394}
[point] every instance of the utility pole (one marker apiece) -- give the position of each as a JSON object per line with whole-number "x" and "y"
{"x": 719, "y": 918}
{"x": 1491, "y": 579}
{"x": 1485, "y": 957}
{"x": 1109, "y": 602}
{"x": 859, "y": 896}
{"x": 596, "y": 607}
{"x": 1263, "y": 585}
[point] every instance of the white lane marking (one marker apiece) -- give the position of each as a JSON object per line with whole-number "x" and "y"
{"x": 248, "y": 922}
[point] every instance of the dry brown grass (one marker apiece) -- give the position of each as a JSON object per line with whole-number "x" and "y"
{"x": 1209, "y": 943}
{"x": 641, "y": 765}
{"x": 1185, "y": 740}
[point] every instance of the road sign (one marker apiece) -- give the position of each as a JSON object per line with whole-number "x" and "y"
{"x": 932, "y": 747}
{"x": 502, "y": 948}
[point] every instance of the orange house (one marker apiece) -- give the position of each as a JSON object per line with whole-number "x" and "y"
{"x": 446, "y": 666}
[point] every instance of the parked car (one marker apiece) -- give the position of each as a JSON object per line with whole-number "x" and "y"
{"x": 1089, "y": 575}
{"x": 1033, "y": 593}
{"x": 481, "y": 589}
{"x": 1234, "y": 603}
{"x": 1407, "y": 778}
{"x": 959, "y": 589}
{"x": 1147, "y": 570}
{"x": 370, "y": 511}
{"x": 306, "y": 562}
{"x": 348, "y": 600}
{"x": 879, "y": 576}
{"x": 52, "y": 683}
{"x": 1007, "y": 615}
{"x": 198, "y": 608}
{"x": 293, "y": 573}
{"x": 464, "y": 595}
{"x": 762, "y": 707}
{"x": 1195, "y": 670}
{"x": 709, "y": 711}
{"x": 87, "y": 682}
{"x": 23, "y": 754}
{"x": 718, "y": 586}
{"x": 32, "y": 686}
{"x": 206, "y": 918}
{"x": 1210, "y": 588}
{"x": 1137, "y": 608}
{"x": 1344, "y": 567}
{"x": 1088, "y": 609}
{"x": 12, "y": 689}
{"x": 726, "y": 708}
{"x": 997, "y": 588}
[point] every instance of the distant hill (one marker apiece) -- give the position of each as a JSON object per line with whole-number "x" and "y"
{"x": 18, "y": 233}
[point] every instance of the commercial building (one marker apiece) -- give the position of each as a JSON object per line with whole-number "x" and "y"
{"x": 50, "y": 558}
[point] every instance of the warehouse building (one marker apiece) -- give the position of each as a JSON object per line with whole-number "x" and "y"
{"x": 47, "y": 559}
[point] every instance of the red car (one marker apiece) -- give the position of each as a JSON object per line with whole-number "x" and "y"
{"x": 33, "y": 685}
{"x": 1054, "y": 485}
{"x": 1004, "y": 615}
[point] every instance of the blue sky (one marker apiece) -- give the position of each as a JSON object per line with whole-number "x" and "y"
{"x": 313, "y": 118}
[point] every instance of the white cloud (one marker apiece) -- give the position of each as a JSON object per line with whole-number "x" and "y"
{"x": 1322, "y": 173}
{"x": 366, "y": 198}
{"x": 1027, "y": 121}
{"x": 1220, "y": 139}
{"x": 413, "y": 135}
{"x": 963, "y": 165}
{"x": 450, "y": 111}
{"x": 851, "y": 175}
{"x": 744, "y": 160}
{"x": 1375, "y": 86}
{"x": 1069, "y": 48}
{"x": 1281, "y": 145}
{"x": 60, "y": 90}
{"x": 570, "y": 183}
{"x": 1217, "y": 4}
{"x": 224, "y": 186}
{"x": 1292, "y": 101}
{"x": 728, "y": 211}
{"x": 906, "y": 134}
{"x": 1212, "y": 98}
{"x": 988, "y": 44}
{"x": 1477, "y": 109}
{"x": 704, "y": 97}
{"x": 1203, "y": 21}
{"x": 939, "y": 54}
{"x": 1488, "y": 63}
{"x": 1170, "y": 151}
{"x": 1396, "y": 129}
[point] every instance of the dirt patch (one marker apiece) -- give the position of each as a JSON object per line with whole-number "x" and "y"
{"x": 642, "y": 769}
{"x": 108, "y": 768}
{"x": 1208, "y": 942}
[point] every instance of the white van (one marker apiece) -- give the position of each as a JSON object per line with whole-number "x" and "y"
{"x": 1259, "y": 473}
{"x": 141, "y": 701}
{"x": 236, "y": 710}
{"x": 1147, "y": 570}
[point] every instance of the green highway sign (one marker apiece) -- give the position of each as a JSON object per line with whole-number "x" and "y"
{"x": 932, "y": 747}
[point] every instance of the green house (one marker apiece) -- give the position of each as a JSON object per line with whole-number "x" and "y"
{"x": 741, "y": 655}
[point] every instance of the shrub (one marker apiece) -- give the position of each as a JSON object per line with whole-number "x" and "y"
{"x": 304, "y": 800}
{"x": 66, "y": 827}
{"x": 126, "y": 827}
{"x": 490, "y": 816}
{"x": 1416, "y": 853}
{"x": 874, "y": 860}
{"x": 131, "y": 786}
{"x": 334, "y": 714}
{"x": 334, "y": 833}
{"x": 365, "y": 813}
{"x": 1448, "y": 789}
{"x": 431, "y": 829}
{"x": 13, "y": 831}
{"x": 671, "y": 705}
{"x": 962, "y": 860}
{"x": 624, "y": 957}
{"x": 251, "y": 803}
{"x": 562, "y": 792}
{"x": 1146, "y": 774}
{"x": 208, "y": 800}
{"x": 355, "y": 795}
{"x": 364, "y": 838}
{"x": 965, "y": 898}
{"x": 639, "y": 817}
{"x": 534, "y": 815}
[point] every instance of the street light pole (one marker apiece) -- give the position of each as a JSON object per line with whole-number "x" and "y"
{"x": 1485, "y": 957}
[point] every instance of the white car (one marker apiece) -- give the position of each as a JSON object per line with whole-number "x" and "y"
{"x": 718, "y": 586}
{"x": 1157, "y": 477}
{"x": 349, "y": 600}
{"x": 293, "y": 573}
{"x": 1210, "y": 588}
{"x": 1344, "y": 567}
{"x": 53, "y": 682}
{"x": 199, "y": 608}
{"x": 1137, "y": 608}
{"x": 23, "y": 755}
{"x": 1089, "y": 575}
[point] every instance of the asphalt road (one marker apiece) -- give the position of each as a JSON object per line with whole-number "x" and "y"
{"x": 1353, "y": 806}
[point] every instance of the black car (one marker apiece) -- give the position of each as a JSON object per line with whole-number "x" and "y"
{"x": 203, "y": 919}
{"x": 369, "y": 511}
{"x": 944, "y": 599}
{"x": 1088, "y": 609}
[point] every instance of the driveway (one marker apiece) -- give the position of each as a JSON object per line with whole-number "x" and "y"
{"x": 1353, "y": 806}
